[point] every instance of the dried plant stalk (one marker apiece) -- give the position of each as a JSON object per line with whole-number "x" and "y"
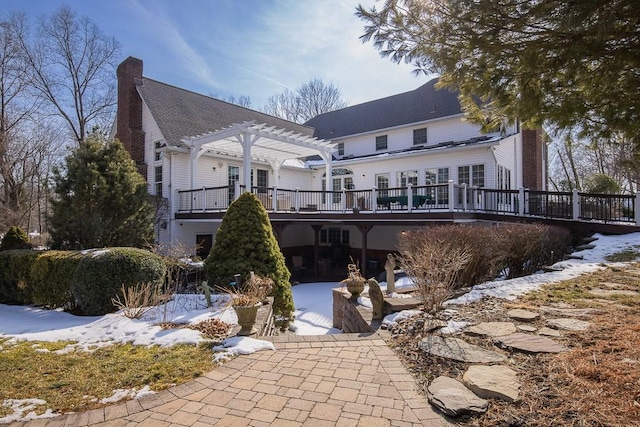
{"x": 136, "y": 300}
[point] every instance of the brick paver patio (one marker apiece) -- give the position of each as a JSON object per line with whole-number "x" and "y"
{"x": 331, "y": 380}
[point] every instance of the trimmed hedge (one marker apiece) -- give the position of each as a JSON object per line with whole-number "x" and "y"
{"x": 15, "y": 269}
{"x": 50, "y": 279}
{"x": 100, "y": 275}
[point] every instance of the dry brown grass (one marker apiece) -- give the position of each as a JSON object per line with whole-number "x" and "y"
{"x": 595, "y": 383}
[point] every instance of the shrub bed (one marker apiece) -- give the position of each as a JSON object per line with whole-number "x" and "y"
{"x": 15, "y": 268}
{"x": 101, "y": 274}
{"x": 511, "y": 249}
{"x": 50, "y": 279}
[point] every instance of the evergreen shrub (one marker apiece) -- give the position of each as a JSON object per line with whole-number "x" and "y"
{"x": 16, "y": 238}
{"x": 245, "y": 242}
{"x": 101, "y": 274}
{"x": 50, "y": 279}
{"x": 15, "y": 268}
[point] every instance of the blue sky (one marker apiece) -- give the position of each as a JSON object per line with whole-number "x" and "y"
{"x": 243, "y": 47}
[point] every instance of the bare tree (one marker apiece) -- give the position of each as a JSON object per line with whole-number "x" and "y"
{"x": 308, "y": 101}
{"x": 72, "y": 64}
{"x": 242, "y": 100}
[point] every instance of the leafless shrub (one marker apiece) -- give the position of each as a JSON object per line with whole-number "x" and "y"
{"x": 433, "y": 264}
{"x": 252, "y": 292}
{"x": 137, "y": 300}
{"x": 527, "y": 247}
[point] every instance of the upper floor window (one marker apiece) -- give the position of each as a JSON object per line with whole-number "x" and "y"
{"x": 381, "y": 142}
{"x": 420, "y": 136}
{"x": 158, "y": 153}
{"x": 341, "y": 149}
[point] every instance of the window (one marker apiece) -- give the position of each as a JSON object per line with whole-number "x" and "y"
{"x": 405, "y": 178}
{"x": 342, "y": 178}
{"x": 341, "y": 149}
{"x": 233, "y": 177}
{"x": 464, "y": 176}
{"x": 262, "y": 182}
{"x": 382, "y": 182}
{"x": 158, "y": 180}
{"x": 158, "y": 153}
{"x": 334, "y": 236}
{"x": 419, "y": 136}
{"x": 381, "y": 142}
{"x": 477, "y": 175}
{"x": 438, "y": 176}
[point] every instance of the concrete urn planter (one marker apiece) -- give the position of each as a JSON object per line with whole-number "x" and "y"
{"x": 355, "y": 287}
{"x": 247, "y": 318}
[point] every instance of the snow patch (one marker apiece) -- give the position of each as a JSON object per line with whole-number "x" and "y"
{"x": 394, "y": 318}
{"x": 23, "y": 410}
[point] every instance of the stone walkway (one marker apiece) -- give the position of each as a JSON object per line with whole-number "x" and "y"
{"x": 330, "y": 380}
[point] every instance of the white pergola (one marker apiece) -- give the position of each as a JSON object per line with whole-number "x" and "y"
{"x": 259, "y": 142}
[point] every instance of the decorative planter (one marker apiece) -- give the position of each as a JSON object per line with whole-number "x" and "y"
{"x": 355, "y": 287}
{"x": 247, "y": 318}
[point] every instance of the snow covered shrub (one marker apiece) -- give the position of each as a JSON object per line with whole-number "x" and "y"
{"x": 50, "y": 279}
{"x": 433, "y": 265}
{"x": 16, "y": 238}
{"x": 102, "y": 273}
{"x": 15, "y": 267}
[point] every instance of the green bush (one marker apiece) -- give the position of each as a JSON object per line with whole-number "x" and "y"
{"x": 50, "y": 279}
{"x": 245, "y": 242}
{"x": 15, "y": 267}
{"x": 102, "y": 273}
{"x": 16, "y": 238}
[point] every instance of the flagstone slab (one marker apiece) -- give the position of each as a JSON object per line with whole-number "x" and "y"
{"x": 526, "y": 328}
{"x": 492, "y": 382}
{"x": 530, "y": 343}
{"x": 548, "y": 332}
{"x": 453, "y": 398}
{"x": 460, "y": 350}
{"x": 523, "y": 315}
{"x": 492, "y": 329}
{"x": 568, "y": 324}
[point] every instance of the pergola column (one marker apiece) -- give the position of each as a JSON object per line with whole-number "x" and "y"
{"x": 328, "y": 158}
{"x": 194, "y": 154}
{"x": 246, "y": 141}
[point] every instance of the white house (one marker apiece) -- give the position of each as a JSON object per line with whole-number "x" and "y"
{"x": 393, "y": 164}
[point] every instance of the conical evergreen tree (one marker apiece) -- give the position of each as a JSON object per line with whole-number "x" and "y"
{"x": 16, "y": 238}
{"x": 101, "y": 200}
{"x": 245, "y": 242}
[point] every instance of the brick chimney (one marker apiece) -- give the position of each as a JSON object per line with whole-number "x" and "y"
{"x": 534, "y": 159}
{"x": 129, "y": 114}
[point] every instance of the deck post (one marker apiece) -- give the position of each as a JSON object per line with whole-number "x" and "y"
{"x": 636, "y": 209}
{"x": 409, "y": 197}
{"x": 452, "y": 195}
{"x": 521, "y": 202}
{"x": 343, "y": 200}
{"x": 274, "y": 199}
{"x": 296, "y": 202}
{"x": 374, "y": 199}
{"x": 474, "y": 198}
{"x": 464, "y": 197}
{"x": 237, "y": 190}
{"x": 575, "y": 201}
{"x": 204, "y": 199}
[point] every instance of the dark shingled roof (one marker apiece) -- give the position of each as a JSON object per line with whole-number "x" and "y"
{"x": 423, "y": 103}
{"x": 179, "y": 112}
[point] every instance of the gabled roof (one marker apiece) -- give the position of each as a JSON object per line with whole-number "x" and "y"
{"x": 181, "y": 113}
{"x": 421, "y": 104}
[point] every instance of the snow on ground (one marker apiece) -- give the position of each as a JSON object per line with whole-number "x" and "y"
{"x": 313, "y": 301}
{"x": 23, "y": 410}
{"x": 314, "y": 308}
